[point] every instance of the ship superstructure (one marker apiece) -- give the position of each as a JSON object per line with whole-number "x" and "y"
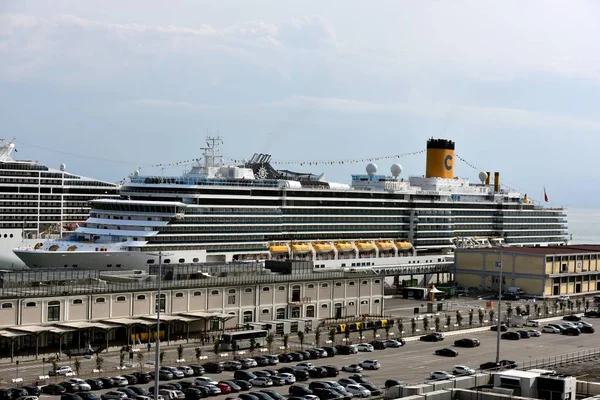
{"x": 218, "y": 212}
{"x": 38, "y": 203}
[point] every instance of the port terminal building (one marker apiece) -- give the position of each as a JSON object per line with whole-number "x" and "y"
{"x": 547, "y": 272}
{"x": 49, "y": 311}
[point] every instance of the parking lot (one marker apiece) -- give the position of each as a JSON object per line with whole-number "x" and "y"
{"x": 414, "y": 362}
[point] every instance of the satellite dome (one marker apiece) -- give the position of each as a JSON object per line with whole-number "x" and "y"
{"x": 136, "y": 173}
{"x": 371, "y": 169}
{"x": 483, "y": 176}
{"x": 63, "y": 167}
{"x": 396, "y": 169}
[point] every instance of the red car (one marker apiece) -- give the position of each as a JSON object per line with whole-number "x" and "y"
{"x": 225, "y": 388}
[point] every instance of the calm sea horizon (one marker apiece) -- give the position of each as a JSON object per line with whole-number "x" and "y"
{"x": 584, "y": 225}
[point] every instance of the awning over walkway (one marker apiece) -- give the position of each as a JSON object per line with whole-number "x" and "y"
{"x": 129, "y": 322}
{"x": 60, "y": 330}
{"x": 207, "y": 315}
{"x": 10, "y": 334}
{"x": 163, "y": 318}
{"x": 32, "y": 329}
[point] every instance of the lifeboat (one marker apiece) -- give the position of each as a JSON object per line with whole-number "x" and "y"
{"x": 323, "y": 247}
{"x": 385, "y": 246}
{"x": 72, "y": 248}
{"x": 300, "y": 248}
{"x": 344, "y": 247}
{"x": 365, "y": 246}
{"x": 403, "y": 246}
{"x": 38, "y": 246}
{"x": 54, "y": 247}
{"x": 278, "y": 249}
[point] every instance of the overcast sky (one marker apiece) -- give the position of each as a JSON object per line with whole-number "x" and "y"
{"x": 108, "y": 86}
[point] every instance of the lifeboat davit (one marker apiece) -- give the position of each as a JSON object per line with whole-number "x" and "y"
{"x": 404, "y": 246}
{"x": 300, "y": 248}
{"x": 385, "y": 246}
{"x": 323, "y": 247}
{"x": 278, "y": 249}
{"x": 365, "y": 246}
{"x": 344, "y": 247}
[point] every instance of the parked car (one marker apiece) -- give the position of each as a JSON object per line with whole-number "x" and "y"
{"x": 332, "y": 370}
{"x": 284, "y": 358}
{"x": 370, "y": 364}
{"x": 69, "y": 396}
{"x": 272, "y": 394}
{"x": 187, "y": 370}
{"x": 61, "y": 370}
{"x": 358, "y": 390}
{"x": 32, "y": 390}
{"x": 365, "y": 347}
{"x": 534, "y": 333}
{"x": 232, "y": 385}
{"x": 232, "y": 365}
{"x": 121, "y": 381}
{"x": 511, "y": 336}
{"x": 395, "y": 343}
{"x": 331, "y": 351}
{"x": 142, "y": 377}
{"x": 53, "y": 389}
{"x": 508, "y": 364}
{"x": 352, "y": 368}
{"x": 204, "y": 380}
{"x": 113, "y": 395}
{"x": 287, "y": 378}
{"x": 318, "y": 372}
{"x": 441, "y": 375}
{"x": 524, "y": 334}
{"x": 463, "y": 370}
{"x": 550, "y": 329}
{"x": 587, "y": 329}
{"x": 467, "y": 342}
{"x": 214, "y": 367}
{"x": 243, "y": 384}
{"x": 83, "y": 385}
{"x": 571, "y": 331}
{"x": 346, "y": 381}
{"x": 490, "y": 365}
{"x": 70, "y": 386}
{"x": 572, "y": 317}
{"x": 592, "y": 314}
{"x": 534, "y": 324}
{"x": 446, "y": 352}
{"x": 393, "y": 382}
{"x": 108, "y": 383}
{"x": 430, "y": 337}
{"x": 503, "y": 328}
{"x": 375, "y": 391}
{"x": 299, "y": 390}
{"x": 378, "y": 344}
{"x": 563, "y": 298}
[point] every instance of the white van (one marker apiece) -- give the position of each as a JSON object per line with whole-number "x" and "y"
{"x": 535, "y": 324}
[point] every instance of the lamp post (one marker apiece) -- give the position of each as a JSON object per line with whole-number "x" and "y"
{"x": 498, "y": 331}
{"x": 158, "y": 304}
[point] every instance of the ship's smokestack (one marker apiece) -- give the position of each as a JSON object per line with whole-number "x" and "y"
{"x": 496, "y": 182}
{"x": 440, "y": 159}
{"x": 487, "y": 179}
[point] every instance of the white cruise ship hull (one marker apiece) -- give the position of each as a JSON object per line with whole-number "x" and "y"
{"x": 9, "y": 240}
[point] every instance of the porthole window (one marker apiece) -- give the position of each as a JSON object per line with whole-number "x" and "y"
{"x": 167, "y": 261}
{"x": 100, "y": 300}
{"x": 7, "y": 305}
{"x": 121, "y": 299}
{"x": 141, "y": 297}
{"x": 195, "y": 260}
{"x": 11, "y": 235}
{"x": 150, "y": 262}
{"x": 181, "y": 260}
{"x": 77, "y": 301}
{"x": 179, "y": 294}
{"x": 197, "y": 293}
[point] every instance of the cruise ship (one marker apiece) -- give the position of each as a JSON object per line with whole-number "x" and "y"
{"x": 252, "y": 211}
{"x": 38, "y": 203}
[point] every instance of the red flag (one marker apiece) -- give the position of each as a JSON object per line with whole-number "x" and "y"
{"x": 545, "y": 195}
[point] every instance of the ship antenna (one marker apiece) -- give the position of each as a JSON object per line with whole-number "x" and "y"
{"x": 210, "y": 152}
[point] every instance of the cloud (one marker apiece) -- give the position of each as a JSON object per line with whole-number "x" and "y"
{"x": 173, "y": 105}
{"x": 469, "y": 113}
{"x": 68, "y": 48}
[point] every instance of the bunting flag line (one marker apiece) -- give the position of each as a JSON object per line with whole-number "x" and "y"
{"x": 334, "y": 162}
{"x": 468, "y": 163}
